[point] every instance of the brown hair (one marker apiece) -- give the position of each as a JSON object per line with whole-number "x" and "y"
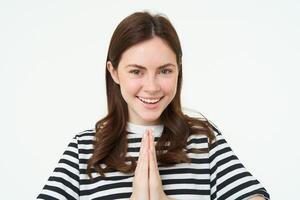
{"x": 110, "y": 145}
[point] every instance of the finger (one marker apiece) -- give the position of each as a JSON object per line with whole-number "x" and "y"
{"x": 152, "y": 157}
{"x": 152, "y": 148}
{"x": 155, "y": 185}
{"x": 142, "y": 164}
{"x": 140, "y": 185}
{"x": 144, "y": 150}
{"x": 145, "y": 154}
{"x": 140, "y": 153}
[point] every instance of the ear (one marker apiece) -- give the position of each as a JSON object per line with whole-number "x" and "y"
{"x": 113, "y": 72}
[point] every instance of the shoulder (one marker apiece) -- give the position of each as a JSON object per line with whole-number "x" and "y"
{"x": 85, "y": 137}
{"x": 198, "y": 115}
{"x": 203, "y": 140}
{"x": 83, "y": 141}
{"x": 87, "y": 133}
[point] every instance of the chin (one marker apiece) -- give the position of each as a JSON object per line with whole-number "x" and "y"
{"x": 151, "y": 120}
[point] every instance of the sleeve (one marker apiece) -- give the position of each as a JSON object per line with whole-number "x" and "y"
{"x": 64, "y": 181}
{"x": 229, "y": 179}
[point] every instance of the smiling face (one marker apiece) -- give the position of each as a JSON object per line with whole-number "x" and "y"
{"x": 147, "y": 74}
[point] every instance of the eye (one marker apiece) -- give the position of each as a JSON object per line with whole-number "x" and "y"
{"x": 135, "y": 71}
{"x": 166, "y": 71}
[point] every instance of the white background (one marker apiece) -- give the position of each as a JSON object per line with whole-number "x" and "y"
{"x": 241, "y": 70}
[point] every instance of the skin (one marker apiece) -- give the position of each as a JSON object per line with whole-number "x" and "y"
{"x": 257, "y": 198}
{"x": 147, "y": 182}
{"x": 147, "y": 69}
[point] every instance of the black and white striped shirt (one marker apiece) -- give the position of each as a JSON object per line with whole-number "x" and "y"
{"x": 217, "y": 174}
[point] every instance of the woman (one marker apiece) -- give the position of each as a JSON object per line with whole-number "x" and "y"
{"x": 146, "y": 148}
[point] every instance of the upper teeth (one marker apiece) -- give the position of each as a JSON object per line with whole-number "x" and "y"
{"x": 149, "y": 100}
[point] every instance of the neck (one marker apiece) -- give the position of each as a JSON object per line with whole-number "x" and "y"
{"x": 141, "y": 129}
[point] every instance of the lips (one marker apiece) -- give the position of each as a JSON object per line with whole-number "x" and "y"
{"x": 149, "y": 100}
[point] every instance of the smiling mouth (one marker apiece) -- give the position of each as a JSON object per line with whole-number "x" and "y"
{"x": 149, "y": 101}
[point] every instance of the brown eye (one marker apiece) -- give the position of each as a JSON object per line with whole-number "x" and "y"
{"x": 166, "y": 71}
{"x": 135, "y": 71}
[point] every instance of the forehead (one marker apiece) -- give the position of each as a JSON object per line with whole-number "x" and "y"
{"x": 154, "y": 52}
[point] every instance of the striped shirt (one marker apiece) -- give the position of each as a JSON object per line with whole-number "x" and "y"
{"x": 217, "y": 174}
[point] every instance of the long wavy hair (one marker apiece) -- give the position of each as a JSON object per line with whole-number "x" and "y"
{"x": 110, "y": 145}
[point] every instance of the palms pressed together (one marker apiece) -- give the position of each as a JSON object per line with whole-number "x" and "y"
{"x": 147, "y": 183}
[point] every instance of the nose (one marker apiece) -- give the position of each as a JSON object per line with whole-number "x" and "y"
{"x": 151, "y": 84}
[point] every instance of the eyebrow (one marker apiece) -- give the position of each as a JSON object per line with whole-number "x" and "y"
{"x": 142, "y": 67}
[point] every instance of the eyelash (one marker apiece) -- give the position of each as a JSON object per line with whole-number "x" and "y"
{"x": 136, "y": 71}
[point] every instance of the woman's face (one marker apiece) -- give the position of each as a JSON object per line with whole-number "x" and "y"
{"x": 147, "y": 75}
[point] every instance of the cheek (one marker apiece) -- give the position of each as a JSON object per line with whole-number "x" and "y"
{"x": 130, "y": 86}
{"x": 169, "y": 85}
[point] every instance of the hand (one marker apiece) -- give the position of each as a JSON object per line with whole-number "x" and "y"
{"x": 140, "y": 181}
{"x": 147, "y": 182}
{"x": 155, "y": 186}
